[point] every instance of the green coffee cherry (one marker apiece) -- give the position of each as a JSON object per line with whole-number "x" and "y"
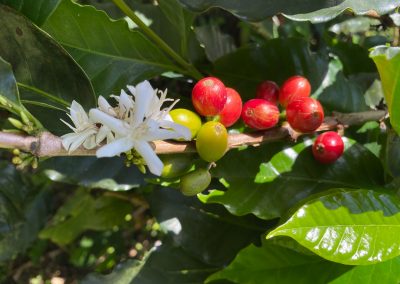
{"x": 186, "y": 118}
{"x": 212, "y": 141}
{"x": 176, "y": 165}
{"x": 195, "y": 182}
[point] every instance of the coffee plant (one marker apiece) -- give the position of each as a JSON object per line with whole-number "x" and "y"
{"x": 194, "y": 141}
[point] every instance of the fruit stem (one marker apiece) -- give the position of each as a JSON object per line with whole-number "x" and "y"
{"x": 160, "y": 42}
{"x": 49, "y": 145}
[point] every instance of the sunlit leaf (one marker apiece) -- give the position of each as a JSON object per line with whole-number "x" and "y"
{"x": 355, "y": 227}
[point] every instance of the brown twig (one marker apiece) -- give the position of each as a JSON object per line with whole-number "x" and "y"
{"x": 49, "y": 145}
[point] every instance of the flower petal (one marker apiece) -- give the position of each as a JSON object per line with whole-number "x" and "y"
{"x": 78, "y": 114}
{"x": 102, "y": 134}
{"x": 115, "y": 148}
{"x": 160, "y": 134}
{"x": 116, "y": 125}
{"x": 90, "y": 142}
{"x": 104, "y": 106}
{"x": 144, "y": 93}
{"x": 152, "y": 160}
{"x": 183, "y": 131}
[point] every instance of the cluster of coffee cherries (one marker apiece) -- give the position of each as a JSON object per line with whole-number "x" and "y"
{"x": 223, "y": 107}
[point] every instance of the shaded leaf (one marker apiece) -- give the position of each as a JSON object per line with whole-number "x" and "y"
{"x": 43, "y": 70}
{"x": 339, "y": 93}
{"x": 84, "y": 212}
{"x": 355, "y": 227}
{"x": 36, "y": 10}
{"x": 167, "y": 263}
{"x": 271, "y": 179}
{"x": 122, "y": 274}
{"x": 24, "y": 207}
{"x": 215, "y": 42}
{"x": 315, "y": 11}
{"x": 117, "y": 58}
{"x": 109, "y": 173}
{"x": 387, "y": 59}
{"x": 391, "y": 154}
{"x": 177, "y": 214}
{"x": 8, "y": 85}
{"x": 276, "y": 60}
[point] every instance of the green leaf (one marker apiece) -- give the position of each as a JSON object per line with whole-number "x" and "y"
{"x": 8, "y": 85}
{"x": 43, "y": 70}
{"x": 84, "y": 212}
{"x": 387, "y": 59}
{"x": 387, "y": 272}
{"x": 275, "y": 264}
{"x": 24, "y": 207}
{"x": 109, "y": 173}
{"x": 271, "y": 179}
{"x": 354, "y": 57}
{"x": 276, "y": 60}
{"x": 355, "y": 227}
{"x": 167, "y": 263}
{"x": 314, "y": 10}
{"x": 172, "y": 23}
{"x": 391, "y": 154}
{"x": 215, "y": 42}
{"x": 111, "y": 54}
{"x": 192, "y": 249}
{"x": 339, "y": 93}
{"x": 177, "y": 214}
{"x": 36, "y": 10}
{"x": 122, "y": 274}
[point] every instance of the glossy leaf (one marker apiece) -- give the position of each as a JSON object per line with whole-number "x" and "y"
{"x": 117, "y": 58}
{"x": 387, "y": 59}
{"x": 314, "y": 10}
{"x": 272, "y": 179}
{"x": 340, "y": 94}
{"x": 387, "y": 272}
{"x": 245, "y": 68}
{"x": 84, "y": 212}
{"x": 355, "y": 227}
{"x": 109, "y": 173}
{"x": 24, "y": 207}
{"x": 276, "y": 264}
{"x": 36, "y": 10}
{"x": 43, "y": 70}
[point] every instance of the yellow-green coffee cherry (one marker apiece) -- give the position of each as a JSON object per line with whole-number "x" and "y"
{"x": 186, "y": 118}
{"x": 176, "y": 165}
{"x": 195, "y": 182}
{"x": 212, "y": 141}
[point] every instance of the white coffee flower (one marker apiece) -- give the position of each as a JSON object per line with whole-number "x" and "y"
{"x": 84, "y": 131}
{"x": 145, "y": 123}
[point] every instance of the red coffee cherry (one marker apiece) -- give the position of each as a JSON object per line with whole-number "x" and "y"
{"x": 260, "y": 114}
{"x": 209, "y": 96}
{"x": 304, "y": 115}
{"x": 328, "y": 147}
{"x": 293, "y": 88}
{"x": 268, "y": 90}
{"x": 232, "y": 109}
